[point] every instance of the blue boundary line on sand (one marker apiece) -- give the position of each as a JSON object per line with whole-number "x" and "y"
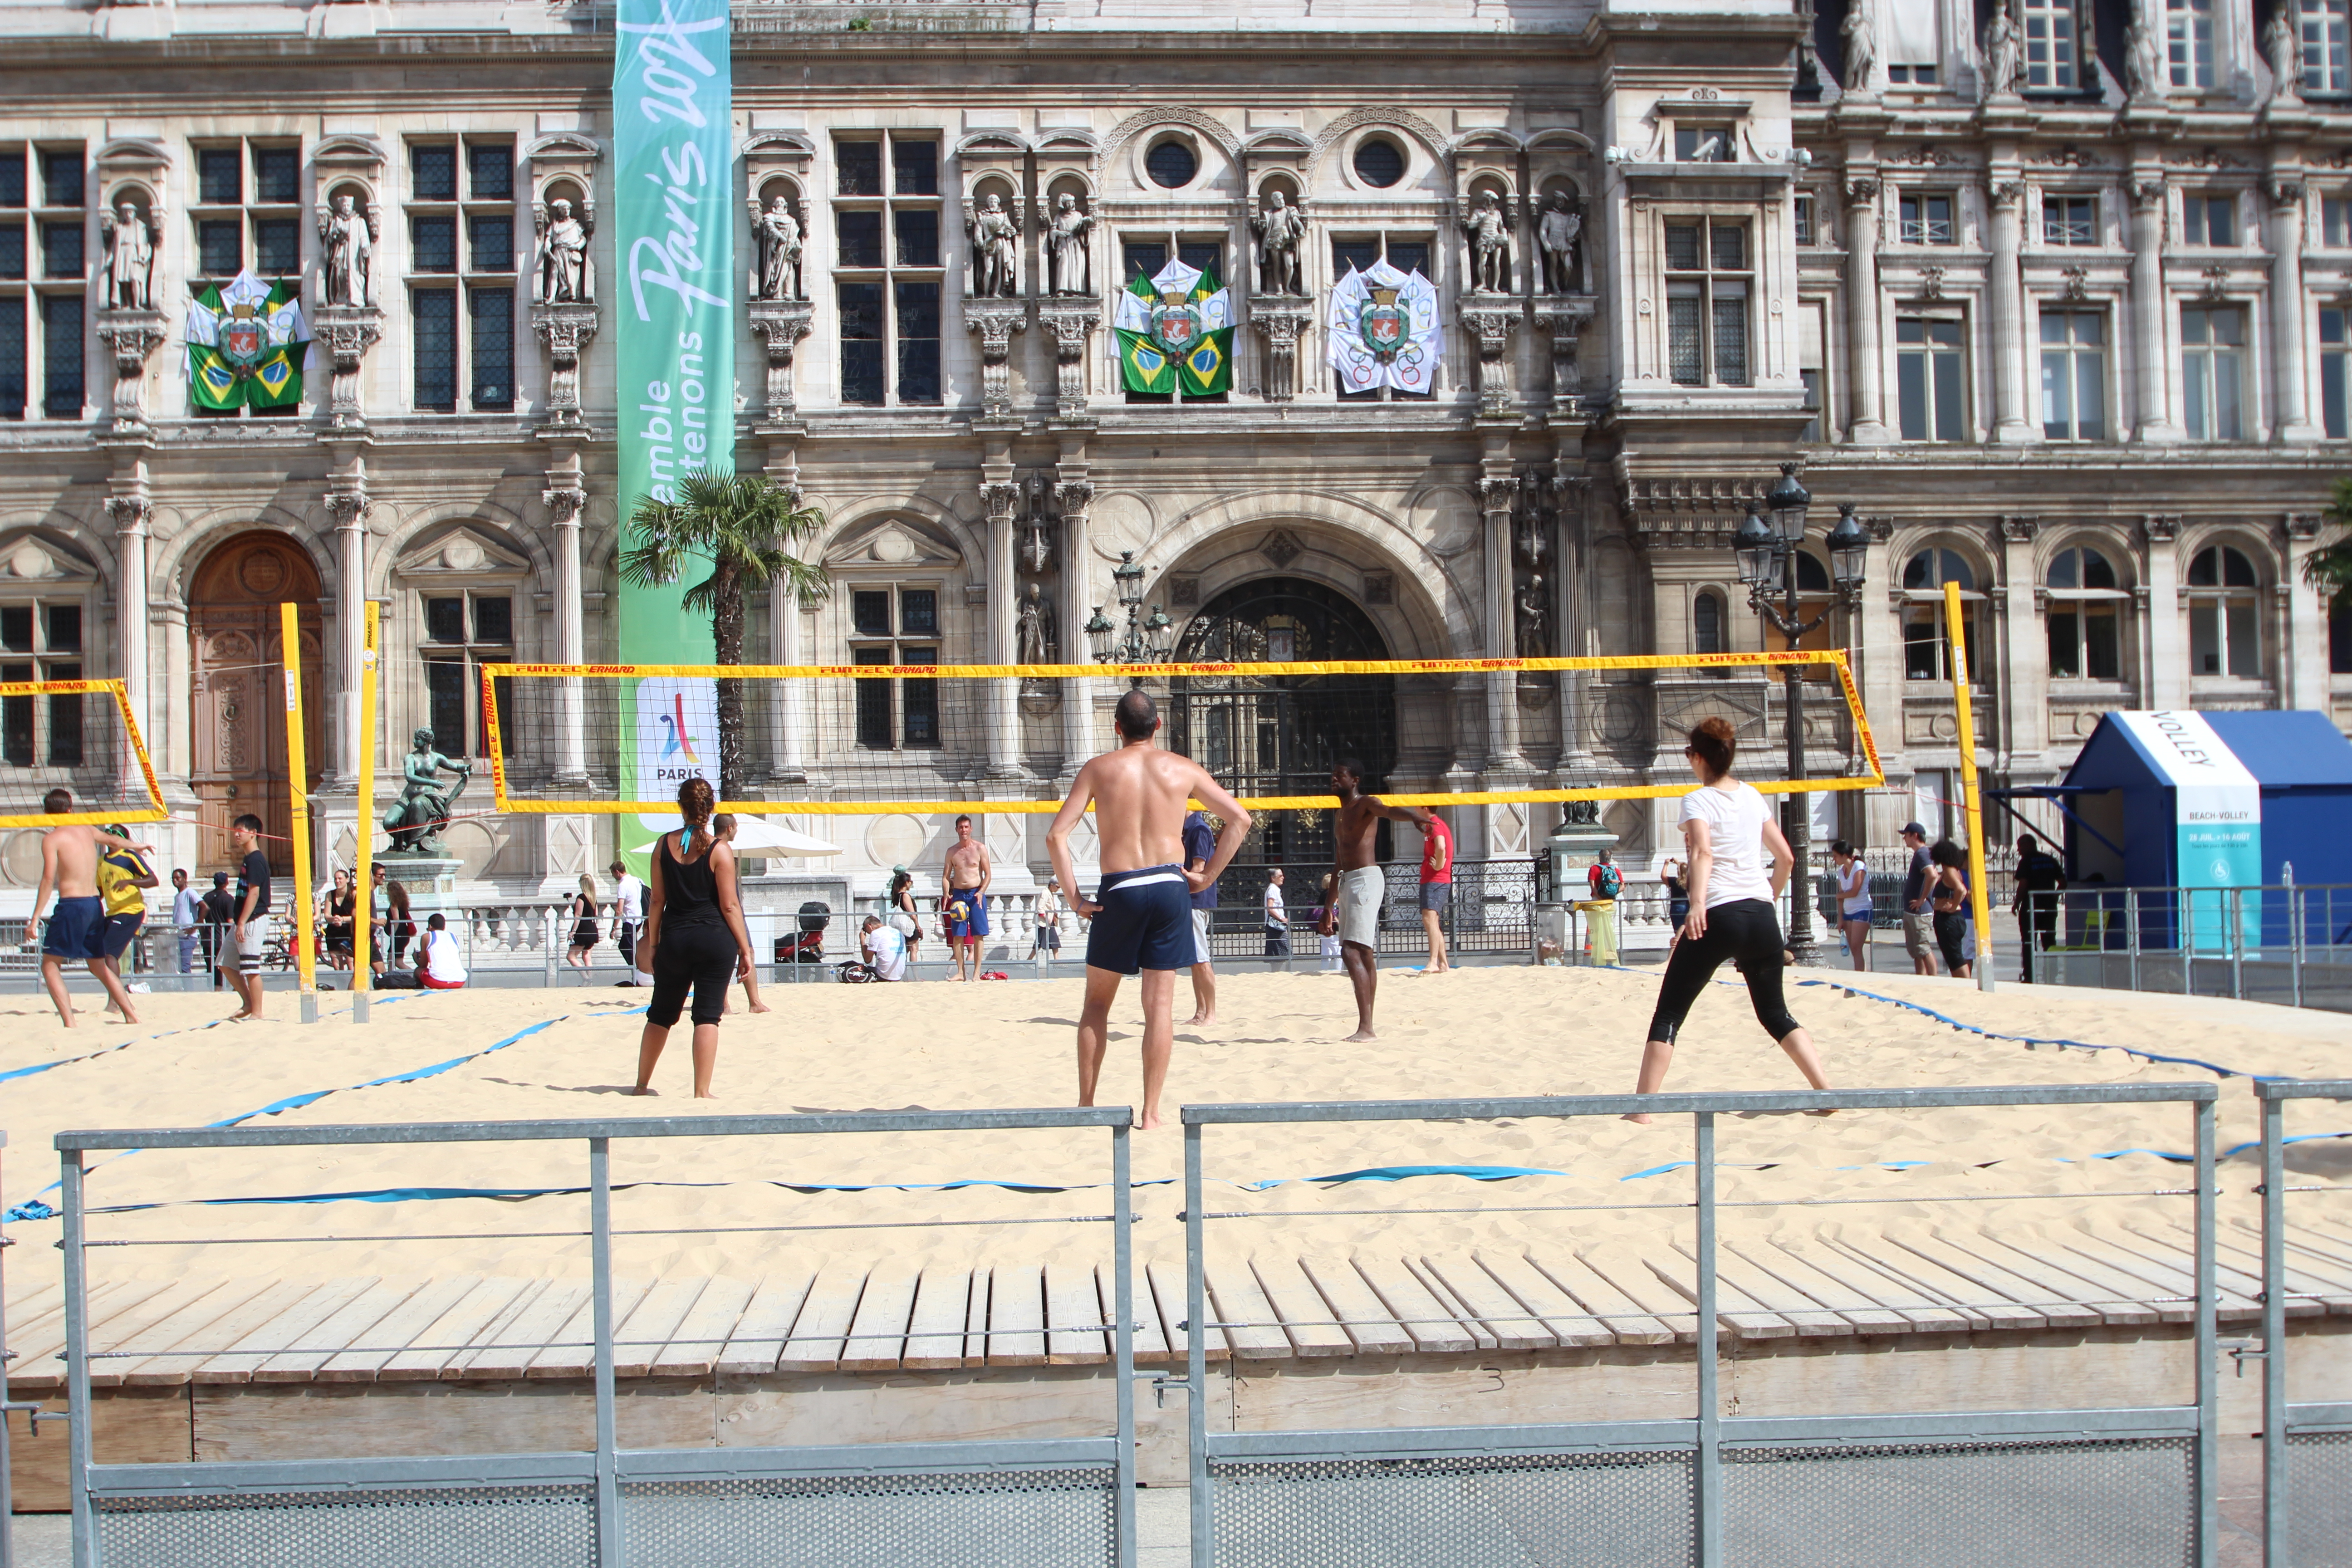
{"x": 2214, "y": 1068}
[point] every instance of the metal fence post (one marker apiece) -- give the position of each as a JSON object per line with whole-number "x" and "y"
{"x": 78, "y": 1438}
{"x": 2294, "y": 939}
{"x": 2184, "y": 904}
{"x": 2131, "y": 934}
{"x": 600, "y": 1254}
{"x": 1708, "y": 1481}
{"x": 1123, "y": 1346}
{"x": 2208, "y": 1486}
{"x": 2274, "y": 1476}
{"x": 1196, "y": 1353}
{"x": 2238, "y": 945}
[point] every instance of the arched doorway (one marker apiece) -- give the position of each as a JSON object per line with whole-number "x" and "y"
{"x": 237, "y": 707}
{"x": 1280, "y": 734}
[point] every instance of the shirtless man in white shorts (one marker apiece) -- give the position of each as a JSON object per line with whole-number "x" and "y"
{"x": 1362, "y": 883}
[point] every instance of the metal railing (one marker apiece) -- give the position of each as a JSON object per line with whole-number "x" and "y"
{"x": 2306, "y": 1446}
{"x": 2136, "y": 1484}
{"x": 2280, "y": 942}
{"x": 1050, "y": 1503}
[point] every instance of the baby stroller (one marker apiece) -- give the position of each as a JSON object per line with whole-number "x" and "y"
{"x": 808, "y": 945}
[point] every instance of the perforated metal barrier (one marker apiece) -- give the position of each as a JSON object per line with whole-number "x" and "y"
{"x": 2306, "y": 1446}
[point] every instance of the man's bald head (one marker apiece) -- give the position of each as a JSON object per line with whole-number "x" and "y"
{"x": 1138, "y": 715}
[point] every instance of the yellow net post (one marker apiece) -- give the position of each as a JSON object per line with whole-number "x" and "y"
{"x": 364, "y": 827}
{"x": 296, "y": 768}
{"x": 1971, "y": 802}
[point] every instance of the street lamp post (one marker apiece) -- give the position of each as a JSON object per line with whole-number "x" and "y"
{"x": 1147, "y": 641}
{"x": 1768, "y": 551}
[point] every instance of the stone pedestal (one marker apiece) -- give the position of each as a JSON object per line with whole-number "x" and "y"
{"x": 431, "y": 881}
{"x": 1073, "y": 321}
{"x": 563, "y": 330}
{"x": 1563, "y": 318}
{"x": 781, "y": 325}
{"x": 1281, "y": 321}
{"x": 133, "y": 336}
{"x": 346, "y": 332}
{"x": 1489, "y": 320}
{"x": 995, "y": 321}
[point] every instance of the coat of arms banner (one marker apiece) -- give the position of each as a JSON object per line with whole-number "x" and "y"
{"x": 246, "y": 343}
{"x": 1176, "y": 333}
{"x": 1385, "y": 331}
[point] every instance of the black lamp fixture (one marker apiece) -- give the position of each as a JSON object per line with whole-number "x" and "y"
{"x": 1787, "y": 500}
{"x": 1758, "y": 550}
{"x": 1849, "y": 548}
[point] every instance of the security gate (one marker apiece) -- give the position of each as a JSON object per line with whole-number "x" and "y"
{"x": 2306, "y": 1448}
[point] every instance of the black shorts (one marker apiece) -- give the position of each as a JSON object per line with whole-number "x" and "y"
{"x": 700, "y": 958}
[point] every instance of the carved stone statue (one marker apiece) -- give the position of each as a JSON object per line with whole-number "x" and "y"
{"x": 1033, "y": 628}
{"x": 562, "y": 260}
{"x": 779, "y": 235}
{"x": 422, "y": 809}
{"x": 1065, "y": 239}
{"x": 130, "y": 258}
{"x": 2144, "y": 64}
{"x": 1488, "y": 231}
{"x": 2004, "y": 58}
{"x": 995, "y": 237}
{"x": 347, "y": 239}
{"x": 1860, "y": 36}
{"x": 2282, "y": 48}
{"x": 1279, "y": 229}
{"x": 1559, "y": 236}
{"x": 1535, "y": 641}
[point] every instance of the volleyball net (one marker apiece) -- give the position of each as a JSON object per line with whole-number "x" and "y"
{"x": 79, "y": 736}
{"x": 865, "y": 739}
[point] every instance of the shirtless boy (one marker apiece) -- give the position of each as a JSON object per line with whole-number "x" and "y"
{"x": 78, "y": 928}
{"x": 969, "y": 873}
{"x": 1362, "y": 883}
{"x": 1143, "y": 920}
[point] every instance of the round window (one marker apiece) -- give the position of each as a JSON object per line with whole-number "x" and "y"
{"x": 1171, "y": 164}
{"x": 1378, "y": 163}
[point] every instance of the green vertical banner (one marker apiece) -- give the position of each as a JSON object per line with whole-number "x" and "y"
{"x": 674, "y": 320}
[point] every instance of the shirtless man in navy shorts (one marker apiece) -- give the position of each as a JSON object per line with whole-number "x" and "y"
{"x": 1143, "y": 914}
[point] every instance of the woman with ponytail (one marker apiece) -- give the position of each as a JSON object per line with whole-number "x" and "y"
{"x": 694, "y": 939}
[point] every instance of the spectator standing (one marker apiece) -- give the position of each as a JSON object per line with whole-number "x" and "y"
{"x": 1277, "y": 917}
{"x": 1603, "y": 878}
{"x": 1918, "y": 918}
{"x": 1327, "y": 923}
{"x": 1200, "y": 844}
{"x": 1437, "y": 890}
{"x": 1047, "y": 938}
{"x": 217, "y": 906}
{"x": 1948, "y": 893}
{"x": 248, "y": 918}
{"x": 628, "y": 914}
{"x": 399, "y": 922}
{"x": 1674, "y": 875}
{"x": 1854, "y": 911}
{"x": 584, "y": 924}
{"x": 187, "y": 919}
{"x": 2040, "y": 880}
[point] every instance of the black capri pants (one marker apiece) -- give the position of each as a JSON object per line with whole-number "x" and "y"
{"x": 700, "y": 958}
{"x": 1747, "y": 931}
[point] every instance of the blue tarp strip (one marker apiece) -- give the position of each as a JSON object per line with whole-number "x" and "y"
{"x": 2040, "y": 1039}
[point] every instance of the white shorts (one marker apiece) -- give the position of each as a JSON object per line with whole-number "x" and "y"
{"x": 1361, "y": 891}
{"x": 1199, "y": 936}
{"x": 254, "y": 948}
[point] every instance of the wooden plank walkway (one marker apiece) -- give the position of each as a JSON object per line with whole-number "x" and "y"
{"x": 1264, "y": 1308}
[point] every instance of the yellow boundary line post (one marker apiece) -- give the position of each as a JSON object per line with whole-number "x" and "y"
{"x": 296, "y": 766}
{"x": 1971, "y": 802}
{"x": 363, "y": 826}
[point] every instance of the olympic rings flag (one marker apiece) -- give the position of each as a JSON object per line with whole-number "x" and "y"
{"x": 672, "y": 97}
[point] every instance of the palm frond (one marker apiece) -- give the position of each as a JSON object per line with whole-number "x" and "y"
{"x": 2330, "y": 566}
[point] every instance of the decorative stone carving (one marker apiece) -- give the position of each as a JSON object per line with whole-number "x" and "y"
{"x": 562, "y": 272}
{"x": 565, "y": 330}
{"x": 1033, "y": 628}
{"x": 1534, "y": 630}
{"x": 2007, "y": 192}
{"x": 2158, "y": 528}
{"x": 347, "y": 242}
{"x": 1280, "y": 323}
{"x": 1380, "y": 588}
{"x": 130, "y": 265}
{"x": 2020, "y": 530}
{"x": 2303, "y": 527}
{"x": 1037, "y": 548}
{"x": 995, "y": 321}
{"x": 133, "y": 336}
{"x": 128, "y": 513}
{"x": 1072, "y": 497}
{"x": 1860, "y": 36}
{"x": 1279, "y": 229}
{"x": 1488, "y": 230}
{"x": 2216, "y": 286}
{"x": 1280, "y": 547}
{"x": 1559, "y": 236}
{"x": 1073, "y": 323}
{"x": 781, "y": 325}
{"x": 1861, "y": 193}
{"x": 1184, "y": 592}
{"x": 348, "y": 504}
{"x": 2004, "y": 55}
{"x": 1931, "y": 283}
{"x": 776, "y": 231}
{"x": 1491, "y": 326}
{"x": 1067, "y": 241}
{"x": 2285, "y": 191}
{"x": 995, "y": 237}
{"x": 2077, "y": 288}
{"x": 564, "y": 503}
{"x": 2143, "y": 66}
{"x": 347, "y": 332}
{"x": 1565, "y": 321}
{"x": 2146, "y": 192}
{"x": 2282, "y": 48}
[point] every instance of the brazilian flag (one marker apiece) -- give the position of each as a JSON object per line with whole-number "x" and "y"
{"x": 1176, "y": 333}
{"x": 246, "y": 343}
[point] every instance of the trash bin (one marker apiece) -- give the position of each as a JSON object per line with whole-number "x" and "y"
{"x": 1600, "y": 928}
{"x": 1549, "y": 936}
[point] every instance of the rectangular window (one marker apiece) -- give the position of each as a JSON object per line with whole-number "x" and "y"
{"x": 1347, "y": 255}
{"x": 1811, "y": 360}
{"x": 1702, "y": 144}
{"x": 919, "y": 342}
{"x": 919, "y": 616}
{"x": 2189, "y": 41}
{"x": 2069, "y": 220}
{"x": 276, "y": 246}
{"x": 435, "y": 325}
{"x": 493, "y": 347}
{"x": 914, "y": 167}
{"x": 444, "y": 696}
{"x": 16, "y": 735}
{"x": 2209, "y": 220}
{"x": 62, "y": 249}
{"x": 432, "y": 244}
{"x": 1912, "y": 75}
{"x": 2224, "y": 639}
{"x": 1708, "y": 315}
{"x": 2212, "y": 350}
{"x": 917, "y": 232}
{"x": 2326, "y": 45}
{"x": 445, "y": 619}
{"x": 904, "y": 712}
{"x": 858, "y": 166}
{"x": 869, "y": 612}
{"x": 278, "y": 175}
{"x": 873, "y": 703}
{"x": 2335, "y": 349}
{"x": 61, "y": 356}
{"x": 433, "y": 177}
{"x": 12, "y": 177}
{"x": 890, "y": 331}
{"x": 2335, "y": 223}
{"x": 861, "y": 342}
{"x": 490, "y": 244}
{"x": 1807, "y": 234}
{"x": 220, "y": 176}
{"x": 61, "y": 179}
{"x": 12, "y": 249}
{"x": 16, "y": 634}
{"x": 1929, "y": 380}
{"x": 1142, "y": 257}
{"x": 12, "y": 357}
{"x": 1927, "y": 220}
{"x": 2074, "y": 375}
{"x": 64, "y": 719}
{"x": 2085, "y": 639}
{"x": 860, "y": 238}
{"x": 2051, "y": 39}
{"x": 489, "y": 171}
{"x": 919, "y": 700}
{"x": 220, "y": 247}
{"x": 1686, "y": 355}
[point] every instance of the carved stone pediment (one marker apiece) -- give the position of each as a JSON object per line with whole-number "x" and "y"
{"x": 38, "y": 558}
{"x": 460, "y": 551}
{"x": 904, "y": 543}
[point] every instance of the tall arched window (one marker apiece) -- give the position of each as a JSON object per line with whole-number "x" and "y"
{"x": 2084, "y": 619}
{"x": 1926, "y": 656}
{"x": 1707, "y": 624}
{"x": 2225, "y": 639}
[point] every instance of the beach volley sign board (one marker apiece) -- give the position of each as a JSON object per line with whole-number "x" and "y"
{"x": 2217, "y": 819}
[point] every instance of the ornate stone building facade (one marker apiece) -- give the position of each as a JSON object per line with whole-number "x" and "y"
{"x": 2070, "y": 328}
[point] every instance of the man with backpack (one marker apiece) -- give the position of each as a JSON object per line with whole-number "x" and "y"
{"x": 1604, "y": 879}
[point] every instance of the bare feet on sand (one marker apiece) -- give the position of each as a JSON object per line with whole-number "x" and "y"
{"x": 1199, "y": 1022}
{"x": 1360, "y": 1037}
{"x": 642, "y": 1089}
{"x": 1643, "y": 1117}
{"x": 760, "y": 1007}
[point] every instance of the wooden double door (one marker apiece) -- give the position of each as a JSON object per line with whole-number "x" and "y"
{"x": 237, "y": 703}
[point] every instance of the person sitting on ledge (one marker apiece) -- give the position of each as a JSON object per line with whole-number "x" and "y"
{"x": 438, "y": 966}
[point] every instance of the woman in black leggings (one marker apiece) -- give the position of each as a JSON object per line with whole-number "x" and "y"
{"x": 693, "y": 938}
{"x": 1730, "y": 833}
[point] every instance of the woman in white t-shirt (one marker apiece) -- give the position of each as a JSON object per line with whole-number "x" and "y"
{"x": 1730, "y": 833}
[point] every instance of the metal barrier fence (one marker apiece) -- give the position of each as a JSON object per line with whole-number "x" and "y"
{"x": 1051, "y": 1503}
{"x": 2306, "y": 1446}
{"x": 2079, "y": 1488}
{"x": 2275, "y": 943}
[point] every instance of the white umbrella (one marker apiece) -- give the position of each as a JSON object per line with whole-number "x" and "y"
{"x": 755, "y": 836}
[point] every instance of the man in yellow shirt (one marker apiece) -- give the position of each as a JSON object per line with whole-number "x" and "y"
{"x": 124, "y": 877}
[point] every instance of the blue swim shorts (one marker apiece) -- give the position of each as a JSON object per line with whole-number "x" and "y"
{"x": 1146, "y": 921}
{"x": 76, "y": 927}
{"x": 116, "y": 933}
{"x": 976, "y": 922}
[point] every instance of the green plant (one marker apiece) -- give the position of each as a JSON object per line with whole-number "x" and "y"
{"x": 2331, "y": 564}
{"x": 861, "y": 24}
{"x": 744, "y": 526}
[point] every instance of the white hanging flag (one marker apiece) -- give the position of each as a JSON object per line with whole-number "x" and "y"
{"x": 1383, "y": 331}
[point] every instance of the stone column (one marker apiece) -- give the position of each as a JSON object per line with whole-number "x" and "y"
{"x": 790, "y": 764}
{"x": 1002, "y": 496}
{"x": 2011, "y": 418}
{"x": 130, "y": 511}
{"x": 2152, "y": 419}
{"x": 1073, "y": 494}
{"x": 2304, "y": 663}
{"x": 564, "y": 498}
{"x": 2294, "y": 415}
{"x": 348, "y": 504}
{"x": 2165, "y": 642}
{"x": 1868, "y": 426}
{"x": 2024, "y": 674}
{"x": 1496, "y": 492}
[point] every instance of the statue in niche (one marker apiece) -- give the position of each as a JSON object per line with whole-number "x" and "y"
{"x": 778, "y": 232}
{"x": 2143, "y": 64}
{"x": 2282, "y": 48}
{"x": 1559, "y": 234}
{"x": 1860, "y": 36}
{"x": 1279, "y": 229}
{"x": 1037, "y": 551}
{"x": 347, "y": 239}
{"x": 995, "y": 237}
{"x": 1488, "y": 230}
{"x": 1533, "y": 639}
{"x": 130, "y": 258}
{"x": 1033, "y": 628}
{"x": 562, "y": 260}
{"x": 1065, "y": 239}
{"x": 2004, "y": 58}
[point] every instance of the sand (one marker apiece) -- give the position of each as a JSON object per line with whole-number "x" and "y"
{"x": 1486, "y": 1031}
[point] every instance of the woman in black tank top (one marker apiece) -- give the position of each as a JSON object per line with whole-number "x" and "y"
{"x": 695, "y": 935}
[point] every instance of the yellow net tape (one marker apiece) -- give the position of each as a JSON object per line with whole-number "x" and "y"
{"x": 129, "y": 783}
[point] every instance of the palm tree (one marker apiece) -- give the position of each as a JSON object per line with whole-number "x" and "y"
{"x": 2331, "y": 566}
{"x": 744, "y": 525}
